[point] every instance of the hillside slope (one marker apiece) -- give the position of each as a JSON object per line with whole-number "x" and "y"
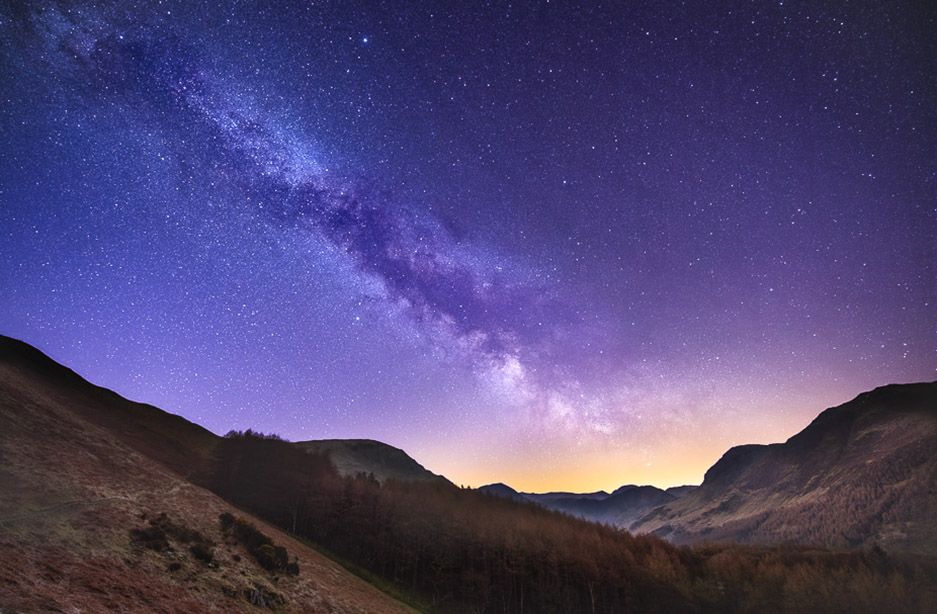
{"x": 383, "y": 461}
{"x": 862, "y": 473}
{"x": 81, "y": 468}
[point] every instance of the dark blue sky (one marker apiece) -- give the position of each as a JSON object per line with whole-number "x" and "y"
{"x": 558, "y": 246}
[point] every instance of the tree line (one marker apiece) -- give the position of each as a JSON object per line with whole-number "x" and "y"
{"x": 458, "y": 550}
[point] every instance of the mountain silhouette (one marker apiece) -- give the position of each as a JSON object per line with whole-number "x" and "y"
{"x": 862, "y": 473}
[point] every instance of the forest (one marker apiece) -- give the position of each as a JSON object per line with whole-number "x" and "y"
{"x": 448, "y": 549}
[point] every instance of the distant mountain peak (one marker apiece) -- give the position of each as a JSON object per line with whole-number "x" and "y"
{"x": 497, "y": 486}
{"x": 499, "y": 489}
{"x": 368, "y": 456}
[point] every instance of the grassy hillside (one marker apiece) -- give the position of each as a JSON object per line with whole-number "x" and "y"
{"x": 89, "y": 522}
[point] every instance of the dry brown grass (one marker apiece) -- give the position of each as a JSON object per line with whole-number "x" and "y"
{"x": 72, "y": 492}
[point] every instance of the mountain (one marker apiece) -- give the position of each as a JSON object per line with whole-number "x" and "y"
{"x": 502, "y": 490}
{"x": 99, "y": 511}
{"x": 621, "y": 508}
{"x": 384, "y": 462}
{"x": 625, "y": 505}
{"x": 862, "y": 473}
{"x": 558, "y": 496}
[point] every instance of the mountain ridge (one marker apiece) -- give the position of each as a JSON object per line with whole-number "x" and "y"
{"x": 861, "y": 473}
{"x": 372, "y": 457}
{"x": 621, "y": 507}
{"x": 741, "y": 498}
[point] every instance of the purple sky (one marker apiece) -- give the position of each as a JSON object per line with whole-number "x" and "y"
{"x": 532, "y": 243}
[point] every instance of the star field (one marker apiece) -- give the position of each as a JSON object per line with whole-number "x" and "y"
{"x": 557, "y": 246}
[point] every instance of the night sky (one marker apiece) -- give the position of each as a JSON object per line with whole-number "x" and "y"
{"x": 560, "y": 247}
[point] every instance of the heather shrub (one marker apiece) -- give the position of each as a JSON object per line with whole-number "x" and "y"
{"x": 161, "y": 530}
{"x": 203, "y": 552}
{"x": 152, "y": 538}
{"x": 226, "y": 520}
{"x": 267, "y": 554}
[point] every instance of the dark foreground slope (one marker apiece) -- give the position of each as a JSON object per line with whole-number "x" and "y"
{"x": 81, "y": 468}
{"x": 862, "y": 473}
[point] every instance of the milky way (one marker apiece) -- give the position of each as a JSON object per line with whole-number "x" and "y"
{"x": 558, "y": 248}
{"x": 152, "y": 75}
